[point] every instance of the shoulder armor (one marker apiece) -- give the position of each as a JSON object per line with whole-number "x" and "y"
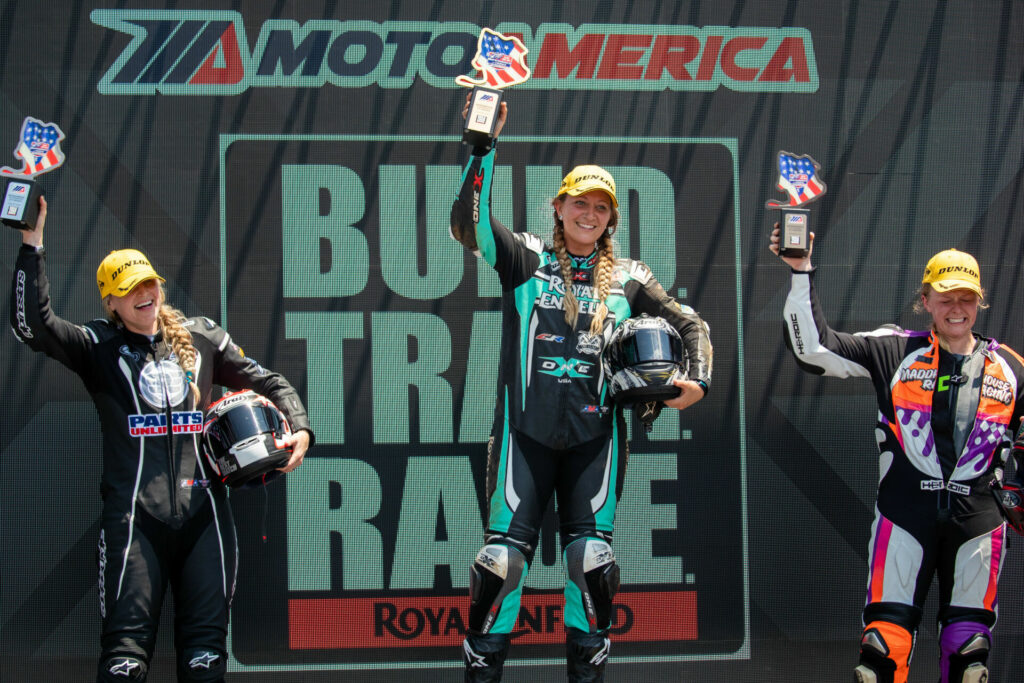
{"x": 687, "y": 310}
{"x": 530, "y": 241}
{"x": 100, "y": 330}
{"x": 890, "y": 330}
{"x": 635, "y": 270}
{"x": 200, "y": 323}
{"x": 203, "y": 327}
{"x": 994, "y": 346}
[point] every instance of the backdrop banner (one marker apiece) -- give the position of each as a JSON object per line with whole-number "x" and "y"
{"x": 289, "y": 167}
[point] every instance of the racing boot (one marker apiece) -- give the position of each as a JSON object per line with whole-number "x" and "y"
{"x": 484, "y": 655}
{"x": 585, "y": 655}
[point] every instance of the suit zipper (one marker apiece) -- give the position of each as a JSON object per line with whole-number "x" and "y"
{"x": 172, "y": 473}
{"x": 955, "y": 380}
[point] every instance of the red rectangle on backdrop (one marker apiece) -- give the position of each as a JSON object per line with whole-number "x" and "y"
{"x": 333, "y": 623}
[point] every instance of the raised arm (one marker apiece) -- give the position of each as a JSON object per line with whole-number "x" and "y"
{"x": 32, "y": 318}
{"x": 512, "y": 255}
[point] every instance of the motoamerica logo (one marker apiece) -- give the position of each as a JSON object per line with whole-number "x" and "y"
{"x": 207, "y": 53}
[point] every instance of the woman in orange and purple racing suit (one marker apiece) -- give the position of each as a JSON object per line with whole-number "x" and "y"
{"x": 949, "y": 402}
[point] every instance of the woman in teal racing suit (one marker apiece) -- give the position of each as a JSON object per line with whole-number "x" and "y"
{"x": 555, "y": 429}
{"x": 166, "y": 521}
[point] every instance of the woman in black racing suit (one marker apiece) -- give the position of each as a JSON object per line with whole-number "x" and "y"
{"x": 949, "y": 401}
{"x": 150, "y": 372}
{"x": 555, "y": 427}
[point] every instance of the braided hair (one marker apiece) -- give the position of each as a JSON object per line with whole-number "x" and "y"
{"x": 170, "y": 321}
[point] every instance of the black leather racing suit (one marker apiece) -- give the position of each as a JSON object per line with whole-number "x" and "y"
{"x": 166, "y": 520}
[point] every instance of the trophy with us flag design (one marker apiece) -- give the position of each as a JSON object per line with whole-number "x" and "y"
{"x": 39, "y": 150}
{"x": 798, "y": 177}
{"x": 501, "y": 61}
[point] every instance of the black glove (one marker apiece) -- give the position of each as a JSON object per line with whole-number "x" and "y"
{"x": 1010, "y": 496}
{"x": 647, "y": 412}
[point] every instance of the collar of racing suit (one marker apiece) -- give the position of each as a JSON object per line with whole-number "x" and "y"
{"x": 141, "y": 339}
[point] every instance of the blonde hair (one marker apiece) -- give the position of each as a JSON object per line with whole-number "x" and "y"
{"x": 170, "y": 321}
{"x": 602, "y": 272}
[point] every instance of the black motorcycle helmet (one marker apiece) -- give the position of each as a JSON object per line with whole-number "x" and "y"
{"x": 243, "y": 439}
{"x": 642, "y": 358}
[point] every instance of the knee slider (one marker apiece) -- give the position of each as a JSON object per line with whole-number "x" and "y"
{"x": 590, "y": 563}
{"x": 885, "y": 650}
{"x": 122, "y": 669}
{"x": 965, "y": 646}
{"x": 497, "y": 571}
{"x": 202, "y": 665}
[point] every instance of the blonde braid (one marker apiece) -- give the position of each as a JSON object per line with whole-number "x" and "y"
{"x": 170, "y": 321}
{"x": 603, "y": 279}
{"x": 572, "y": 306}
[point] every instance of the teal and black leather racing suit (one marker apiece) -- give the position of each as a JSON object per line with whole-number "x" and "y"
{"x": 556, "y": 428}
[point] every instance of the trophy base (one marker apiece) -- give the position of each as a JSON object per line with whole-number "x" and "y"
{"x": 794, "y": 233}
{"x": 482, "y": 117}
{"x": 20, "y": 208}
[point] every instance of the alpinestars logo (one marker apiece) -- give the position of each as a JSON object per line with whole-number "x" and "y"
{"x": 474, "y": 660}
{"x": 123, "y": 667}
{"x": 203, "y": 660}
{"x": 195, "y": 52}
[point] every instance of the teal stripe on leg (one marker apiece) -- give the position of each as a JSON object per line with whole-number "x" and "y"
{"x": 509, "y": 612}
{"x": 575, "y": 616}
{"x": 499, "y": 516}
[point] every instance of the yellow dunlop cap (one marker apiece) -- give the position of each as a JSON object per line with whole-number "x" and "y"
{"x": 952, "y": 269}
{"x": 583, "y": 179}
{"x": 122, "y": 270}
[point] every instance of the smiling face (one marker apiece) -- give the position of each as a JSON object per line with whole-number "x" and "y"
{"x": 584, "y": 219}
{"x": 139, "y": 308}
{"x": 953, "y": 315}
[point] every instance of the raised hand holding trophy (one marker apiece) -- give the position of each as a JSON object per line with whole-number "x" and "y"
{"x": 798, "y": 177}
{"x": 501, "y": 61}
{"x": 40, "y": 152}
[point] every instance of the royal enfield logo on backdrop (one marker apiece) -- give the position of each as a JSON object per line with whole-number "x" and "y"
{"x": 392, "y": 331}
{"x": 195, "y": 52}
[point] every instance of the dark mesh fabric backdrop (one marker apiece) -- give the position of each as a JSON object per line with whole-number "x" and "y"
{"x": 289, "y": 167}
